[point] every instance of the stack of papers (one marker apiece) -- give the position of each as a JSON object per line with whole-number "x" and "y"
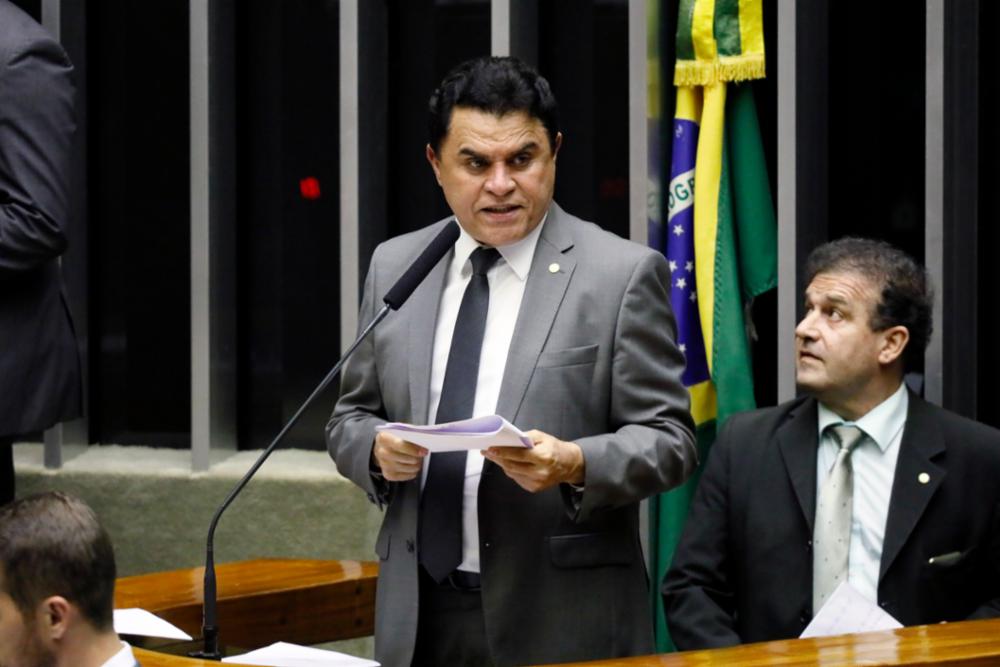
{"x": 468, "y": 434}
{"x": 846, "y": 612}
{"x": 142, "y": 623}
{"x": 292, "y": 655}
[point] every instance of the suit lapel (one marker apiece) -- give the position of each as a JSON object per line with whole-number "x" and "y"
{"x": 422, "y": 311}
{"x": 798, "y": 441}
{"x": 922, "y": 442}
{"x": 543, "y": 294}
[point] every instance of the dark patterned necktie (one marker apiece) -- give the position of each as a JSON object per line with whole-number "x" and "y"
{"x": 441, "y": 502}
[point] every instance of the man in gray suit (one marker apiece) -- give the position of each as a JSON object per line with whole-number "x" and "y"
{"x": 39, "y": 362}
{"x": 541, "y": 561}
{"x": 57, "y": 586}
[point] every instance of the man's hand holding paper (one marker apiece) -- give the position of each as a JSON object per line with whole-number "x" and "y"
{"x": 551, "y": 461}
{"x": 398, "y": 459}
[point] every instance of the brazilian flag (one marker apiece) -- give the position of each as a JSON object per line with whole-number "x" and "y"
{"x": 720, "y": 235}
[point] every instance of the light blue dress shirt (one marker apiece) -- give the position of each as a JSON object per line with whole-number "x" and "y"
{"x": 874, "y": 465}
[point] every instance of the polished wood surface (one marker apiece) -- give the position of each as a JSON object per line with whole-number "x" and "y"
{"x": 149, "y": 658}
{"x": 969, "y": 644}
{"x": 313, "y": 601}
{"x": 260, "y": 602}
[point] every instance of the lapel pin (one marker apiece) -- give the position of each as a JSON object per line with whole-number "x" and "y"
{"x": 553, "y": 268}
{"x": 923, "y": 478}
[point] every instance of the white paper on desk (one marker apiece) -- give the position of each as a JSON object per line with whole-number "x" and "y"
{"x": 478, "y": 433}
{"x": 282, "y": 654}
{"x": 140, "y": 622}
{"x": 847, "y": 611}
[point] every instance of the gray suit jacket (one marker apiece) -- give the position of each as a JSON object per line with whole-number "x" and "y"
{"x": 592, "y": 360}
{"x": 39, "y": 363}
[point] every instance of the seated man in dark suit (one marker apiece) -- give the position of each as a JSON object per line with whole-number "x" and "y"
{"x": 859, "y": 480}
{"x": 57, "y": 586}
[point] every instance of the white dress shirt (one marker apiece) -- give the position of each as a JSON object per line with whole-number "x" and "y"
{"x": 123, "y": 658}
{"x": 507, "y": 278}
{"x": 874, "y": 465}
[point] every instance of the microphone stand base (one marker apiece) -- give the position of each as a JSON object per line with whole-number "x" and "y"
{"x": 206, "y": 655}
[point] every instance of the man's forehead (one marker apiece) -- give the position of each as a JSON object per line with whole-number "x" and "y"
{"x": 473, "y": 127}
{"x": 841, "y": 286}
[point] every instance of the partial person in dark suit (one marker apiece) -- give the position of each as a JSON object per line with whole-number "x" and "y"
{"x": 578, "y": 344}
{"x": 922, "y": 526}
{"x": 39, "y": 360}
{"x": 57, "y": 586}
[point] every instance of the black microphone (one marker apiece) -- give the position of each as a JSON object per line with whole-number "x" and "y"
{"x": 394, "y": 299}
{"x": 421, "y": 266}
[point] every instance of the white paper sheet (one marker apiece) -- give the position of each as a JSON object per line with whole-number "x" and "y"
{"x": 846, "y": 612}
{"x": 140, "y": 622}
{"x": 282, "y": 654}
{"x": 468, "y": 434}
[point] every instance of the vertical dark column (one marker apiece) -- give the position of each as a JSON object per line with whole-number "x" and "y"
{"x": 138, "y": 169}
{"x": 988, "y": 281}
{"x": 288, "y": 208}
{"x": 812, "y": 121}
{"x": 373, "y": 119}
{"x": 960, "y": 190}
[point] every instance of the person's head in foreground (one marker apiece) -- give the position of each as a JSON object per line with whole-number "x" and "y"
{"x": 57, "y": 581}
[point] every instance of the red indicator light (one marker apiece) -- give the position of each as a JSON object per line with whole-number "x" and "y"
{"x": 309, "y": 187}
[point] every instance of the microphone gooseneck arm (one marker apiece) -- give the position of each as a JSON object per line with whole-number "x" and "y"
{"x": 210, "y": 629}
{"x": 394, "y": 298}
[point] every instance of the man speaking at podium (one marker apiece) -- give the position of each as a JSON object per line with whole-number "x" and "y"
{"x": 521, "y": 556}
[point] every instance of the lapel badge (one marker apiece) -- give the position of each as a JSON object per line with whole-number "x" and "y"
{"x": 553, "y": 268}
{"x": 923, "y": 478}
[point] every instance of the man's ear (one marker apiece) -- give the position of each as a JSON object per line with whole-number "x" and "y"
{"x": 435, "y": 163}
{"x": 54, "y": 614}
{"x": 555, "y": 149}
{"x": 894, "y": 340}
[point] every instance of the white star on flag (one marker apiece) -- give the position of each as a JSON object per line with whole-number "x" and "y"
{"x": 684, "y": 348}
{"x": 673, "y": 266}
{"x": 689, "y": 267}
{"x": 681, "y": 283}
{"x": 678, "y": 230}
{"x": 693, "y": 296}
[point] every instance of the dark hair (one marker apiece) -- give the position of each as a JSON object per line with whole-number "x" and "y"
{"x": 906, "y": 292}
{"x": 495, "y": 85}
{"x": 52, "y": 544}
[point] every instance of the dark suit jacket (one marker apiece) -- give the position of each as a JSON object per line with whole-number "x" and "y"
{"x": 743, "y": 569}
{"x": 592, "y": 360}
{"x": 39, "y": 361}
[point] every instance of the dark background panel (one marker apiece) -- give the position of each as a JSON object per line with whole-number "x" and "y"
{"x": 288, "y": 212}
{"x": 876, "y": 123}
{"x": 426, "y": 39}
{"x": 988, "y": 315}
{"x": 583, "y": 52}
{"x": 139, "y": 222}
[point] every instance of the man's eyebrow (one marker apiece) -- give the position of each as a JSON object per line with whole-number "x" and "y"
{"x": 834, "y": 298}
{"x": 529, "y": 146}
{"x": 469, "y": 152}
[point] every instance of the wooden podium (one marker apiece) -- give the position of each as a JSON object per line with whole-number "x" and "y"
{"x": 259, "y": 602}
{"x": 313, "y": 601}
